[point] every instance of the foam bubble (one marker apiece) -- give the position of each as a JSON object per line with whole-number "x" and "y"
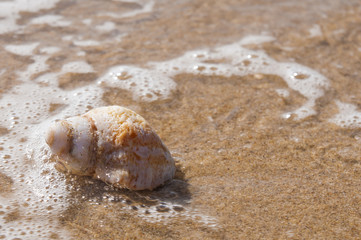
{"x": 20, "y": 104}
{"x": 348, "y": 116}
{"x": 146, "y": 6}
{"x": 144, "y": 83}
{"x": 87, "y": 21}
{"x": 51, "y": 20}
{"x": 67, "y": 38}
{"x": 86, "y": 43}
{"x": 81, "y": 53}
{"x": 283, "y": 92}
{"x": 153, "y": 209}
{"x": 26, "y": 114}
{"x": 77, "y": 67}
{"x": 315, "y": 31}
{"x": 167, "y": 211}
{"x": 106, "y": 27}
{"x": 22, "y": 50}
{"x": 38, "y": 66}
{"x": 48, "y": 79}
{"x": 9, "y": 12}
{"x": 256, "y": 39}
{"x": 49, "y": 50}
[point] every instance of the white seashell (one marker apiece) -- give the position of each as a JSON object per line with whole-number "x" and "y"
{"x": 113, "y": 144}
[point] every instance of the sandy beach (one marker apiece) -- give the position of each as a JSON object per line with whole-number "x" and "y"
{"x": 259, "y": 103}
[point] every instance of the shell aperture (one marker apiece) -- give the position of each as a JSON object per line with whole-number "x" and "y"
{"x": 113, "y": 144}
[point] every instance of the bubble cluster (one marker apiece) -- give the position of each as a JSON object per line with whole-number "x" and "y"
{"x": 106, "y": 27}
{"x": 348, "y": 116}
{"x": 77, "y": 67}
{"x": 160, "y": 206}
{"x": 156, "y": 81}
{"x": 51, "y": 20}
{"x": 26, "y": 113}
{"x": 145, "y": 7}
{"x": 22, "y": 50}
{"x": 10, "y": 12}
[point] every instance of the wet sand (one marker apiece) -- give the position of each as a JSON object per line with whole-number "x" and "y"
{"x": 243, "y": 171}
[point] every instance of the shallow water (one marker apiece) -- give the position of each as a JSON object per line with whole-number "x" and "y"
{"x": 258, "y": 102}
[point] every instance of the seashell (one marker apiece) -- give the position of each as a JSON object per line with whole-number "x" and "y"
{"x": 113, "y": 144}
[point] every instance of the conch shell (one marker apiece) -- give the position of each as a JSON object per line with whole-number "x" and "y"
{"x": 113, "y": 144}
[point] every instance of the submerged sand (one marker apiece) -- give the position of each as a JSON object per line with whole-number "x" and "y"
{"x": 243, "y": 170}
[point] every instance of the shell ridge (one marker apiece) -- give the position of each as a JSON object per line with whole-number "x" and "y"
{"x": 94, "y": 141}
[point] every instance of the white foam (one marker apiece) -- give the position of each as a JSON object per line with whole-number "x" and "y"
{"x": 348, "y": 117}
{"x": 9, "y": 12}
{"x": 315, "y": 31}
{"x": 164, "y": 210}
{"x": 155, "y": 81}
{"x": 283, "y": 92}
{"x": 25, "y": 114}
{"x": 51, "y": 20}
{"x": 151, "y": 214}
{"x": 67, "y": 38}
{"x": 106, "y": 27}
{"x": 87, "y": 21}
{"x": 22, "y": 110}
{"x": 81, "y": 53}
{"x": 256, "y": 39}
{"x": 50, "y": 50}
{"x": 145, "y": 84}
{"x": 146, "y": 7}
{"x": 22, "y": 50}
{"x": 38, "y": 66}
{"x": 48, "y": 79}
{"x": 77, "y": 67}
{"x": 86, "y": 43}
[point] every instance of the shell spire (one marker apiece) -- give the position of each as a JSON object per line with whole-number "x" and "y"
{"x": 113, "y": 144}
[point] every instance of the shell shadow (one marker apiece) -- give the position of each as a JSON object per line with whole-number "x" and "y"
{"x": 175, "y": 193}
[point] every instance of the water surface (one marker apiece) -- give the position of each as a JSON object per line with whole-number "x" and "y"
{"x": 258, "y": 102}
